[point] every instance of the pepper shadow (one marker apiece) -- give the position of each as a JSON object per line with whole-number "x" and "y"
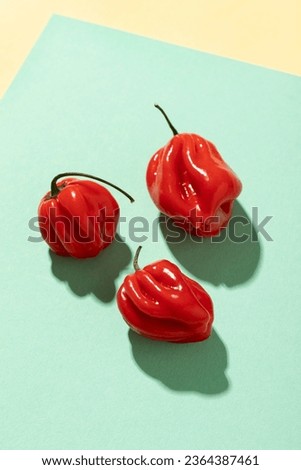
{"x": 222, "y": 259}
{"x": 93, "y": 275}
{"x": 189, "y": 367}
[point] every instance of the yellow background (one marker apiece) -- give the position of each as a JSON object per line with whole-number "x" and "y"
{"x": 264, "y": 32}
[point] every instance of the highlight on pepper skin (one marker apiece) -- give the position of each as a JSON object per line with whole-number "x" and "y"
{"x": 79, "y": 218}
{"x": 163, "y": 304}
{"x": 189, "y": 181}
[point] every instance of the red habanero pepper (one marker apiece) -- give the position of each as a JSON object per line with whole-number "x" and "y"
{"x": 78, "y": 218}
{"x": 161, "y": 303}
{"x": 190, "y": 182}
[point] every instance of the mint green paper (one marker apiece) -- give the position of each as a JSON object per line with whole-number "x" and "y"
{"x": 72, "y": 376}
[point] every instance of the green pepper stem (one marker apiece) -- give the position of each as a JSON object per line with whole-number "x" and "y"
{"x": 173, "y": 129}
{"x": 55, "y": 189}
{"x": 135, "y": 260}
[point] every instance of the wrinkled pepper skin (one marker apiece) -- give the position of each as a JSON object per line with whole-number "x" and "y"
{"x": 189, "y": 181}
{"x": 80, "y": 221}
{"x": 161, "y": 303}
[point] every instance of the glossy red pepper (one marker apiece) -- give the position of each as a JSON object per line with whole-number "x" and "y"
{"x": 78, "y": 217}
{"x": 163, "y": 304}
{"x": 190, "y": 182}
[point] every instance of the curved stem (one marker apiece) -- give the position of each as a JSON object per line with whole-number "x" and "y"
{"x": 135, "y": 260}
{"x": 55, "y": 189}
{"x": 173, "y": 129}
